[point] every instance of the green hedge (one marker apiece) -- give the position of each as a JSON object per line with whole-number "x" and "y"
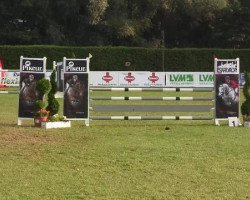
{"x": 114, "y": 58}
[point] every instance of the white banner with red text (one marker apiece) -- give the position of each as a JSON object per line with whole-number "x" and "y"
{"x": 133, "y": 79}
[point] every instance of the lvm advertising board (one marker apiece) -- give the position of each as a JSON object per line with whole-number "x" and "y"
{"x": 31, "y": 71}
{"x": 76, "y": 88}
{"x": 189, "y": 79}
{"x": 227, "y": 88}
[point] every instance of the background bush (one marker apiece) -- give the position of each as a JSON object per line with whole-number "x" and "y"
{"x": 141, "y": 59}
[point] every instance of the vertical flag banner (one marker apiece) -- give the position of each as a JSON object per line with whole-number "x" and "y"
{"x": 31, "y": 71}
{"x": 76, "y": 88}
{"x": 2, "y": 74}
{"x": 227, "y": 88}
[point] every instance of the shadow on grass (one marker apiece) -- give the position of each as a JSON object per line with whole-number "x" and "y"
{"x": 151, "y": 124}
{"x": 14, "y": 125}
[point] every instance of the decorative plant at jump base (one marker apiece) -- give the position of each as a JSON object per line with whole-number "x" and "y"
{"x": 53, "y": 104}
{"x": 245, "y": 107}
{"x": 54, "y": 120}
{"x": 43, "y": 87}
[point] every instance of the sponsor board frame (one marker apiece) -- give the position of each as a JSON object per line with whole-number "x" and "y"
{"x": 226, "y": 72}
{"x": 29, "y": 75}
{"x": 77, "y": 107}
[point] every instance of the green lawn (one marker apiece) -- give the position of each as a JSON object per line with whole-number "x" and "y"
{"x": 122, "y": 159}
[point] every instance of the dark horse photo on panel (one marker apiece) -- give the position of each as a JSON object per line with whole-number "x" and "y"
{"x": 76, "y": 95}
{"x": 28, "y": 94}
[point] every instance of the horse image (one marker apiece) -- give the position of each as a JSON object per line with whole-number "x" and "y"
{"x": 228, "y": 94}
{"x": 74, "y": 94}
{"x": 28, "y": 93}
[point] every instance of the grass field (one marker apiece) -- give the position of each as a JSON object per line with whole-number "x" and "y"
{"x": 123, "y": 159}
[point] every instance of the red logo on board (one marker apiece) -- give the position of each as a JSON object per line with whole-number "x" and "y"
{"x": 107, "y": 78}
{"x": 153, "y": 78}
{"x": 129, "y": 77}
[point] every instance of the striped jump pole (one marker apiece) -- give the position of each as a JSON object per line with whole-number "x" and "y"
{"x": 155, "y": 98}
{"x": 9, "y": 92}
{"x": 127, "y": 89}
{"x": 151, "y": 108}
{"x": 151, "y": 118}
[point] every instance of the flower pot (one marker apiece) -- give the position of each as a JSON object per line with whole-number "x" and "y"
{"x": 39, "y": 120}
{"x": 59, "y": 124}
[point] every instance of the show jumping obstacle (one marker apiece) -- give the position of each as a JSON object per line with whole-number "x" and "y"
{"x": 134, "y": 108}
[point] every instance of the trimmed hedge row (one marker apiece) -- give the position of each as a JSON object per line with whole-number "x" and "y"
{"x": 114, "y": 58}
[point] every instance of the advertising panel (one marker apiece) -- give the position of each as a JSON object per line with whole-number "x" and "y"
{"x": 31, "y": 71}
{"x": 180, "y": 79}
{"x": 105, "y": 78}
{"x": 141, "y": 79}
{"x": 132, "y": 79}
{"x": 111, "y": 79}
{"x": 155, "y": 79}
{"x": 204, "y": 79}
{"x": 11, "y": 78}
{"x": 76, "y": 88}
{"x": 226, "y": 88}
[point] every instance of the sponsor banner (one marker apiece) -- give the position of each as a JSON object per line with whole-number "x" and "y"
{"x": 132, "y": 79}
{"x": 105, "y": 78}
{"x": 155, "y": 79}
{"x": 227, "y": 88}
{"x": 111, "y": 79}
{"x": 180, "y": 79}
{"x": 204, "y": 79}
{"x": 141, "y": 79}
{"x": 226, "y": 67}
{"x": 32, "y": 65}
{"x": 76, "y": 88}
{"x": 10, "y": 78}
{"x": 31, "y": 71}
{"x": 75, "y": 65}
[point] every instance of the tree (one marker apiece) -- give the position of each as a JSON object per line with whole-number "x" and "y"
{"x": 148, "y": 23}
{"x": 232, "y": 28}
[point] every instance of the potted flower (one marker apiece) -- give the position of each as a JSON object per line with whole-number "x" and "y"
{"x": 42, "y": 114}
{"x": 43, "y": 87}
{"x": 245, "y": 107}
{"x": 54, "y": 119}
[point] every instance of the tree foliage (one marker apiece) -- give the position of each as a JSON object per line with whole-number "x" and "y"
{"x": 154, "y": 23}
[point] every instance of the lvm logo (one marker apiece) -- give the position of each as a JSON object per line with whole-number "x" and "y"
{"x": 206, "y": 77}
{"x": 181, "y": 77}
